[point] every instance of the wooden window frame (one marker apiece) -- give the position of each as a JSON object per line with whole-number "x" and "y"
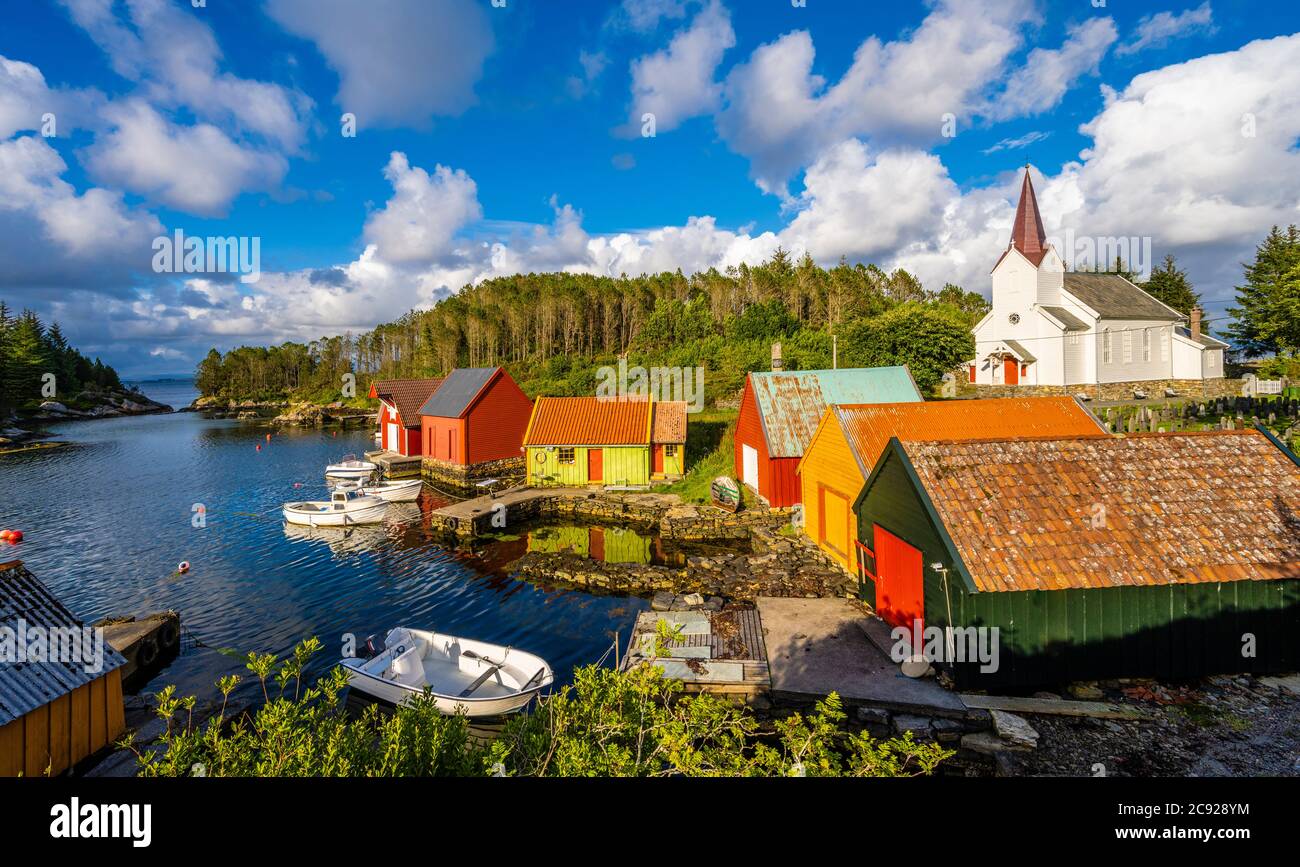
{"x": 572, "y": 455}
{"x": 670, "y": 450}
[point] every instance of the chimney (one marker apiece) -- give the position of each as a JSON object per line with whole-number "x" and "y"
{"x": 777, "y": 363}
{"x": 1195, "y": 325}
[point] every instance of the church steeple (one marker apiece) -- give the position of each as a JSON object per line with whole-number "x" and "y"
{"x": 1027, "y": 233}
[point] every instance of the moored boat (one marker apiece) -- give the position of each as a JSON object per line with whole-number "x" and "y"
{"x": 405, "y": 491}
{"x": 350, "y": 468}
{"x": 344, "y": 509}
{"x": 476, "y": 678}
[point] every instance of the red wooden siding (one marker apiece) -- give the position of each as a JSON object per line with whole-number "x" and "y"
{"x": 777, "y": 480}
{"x": 491, "y": 429}
{"x": 497, "y": 420}
{"x": 444, "y": 438}
{"x": 408, "y": 442}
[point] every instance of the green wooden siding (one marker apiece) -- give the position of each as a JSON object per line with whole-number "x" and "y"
{"x": 675, "y": 465}
{"x": 623, "y": 465}
{"x": 1056, "y": 636}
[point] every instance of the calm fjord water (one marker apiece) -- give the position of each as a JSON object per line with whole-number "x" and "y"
{"x": 108, "y": 519}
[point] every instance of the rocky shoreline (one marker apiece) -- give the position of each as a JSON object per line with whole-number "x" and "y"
{"x": 16, "y": 429}
{"x": 282, "y": 413}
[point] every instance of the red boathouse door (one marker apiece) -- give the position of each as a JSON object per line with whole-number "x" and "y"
{"x": 595, "y": 465}
{"x": 900, "y": 586}
{"x": 1010, "y": 371}
{"x": 659, "y": 459}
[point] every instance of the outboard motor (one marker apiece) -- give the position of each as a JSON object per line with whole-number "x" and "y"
{"x": 374, "y": 646}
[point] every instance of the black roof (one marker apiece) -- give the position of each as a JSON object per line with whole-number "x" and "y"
{"x": 1113, "y": 297}
{"x": 457, "y": 390}
{"x": 1066, "y": 318}
{"x": 25, "y": 686}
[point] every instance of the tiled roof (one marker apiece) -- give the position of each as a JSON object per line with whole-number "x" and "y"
{"x": 1145, "y": 509}
{"x": 669, "y": 422}
{"x": 868, "y": 428}
{"x": 26, "y": 686}
{"x": 791, "y": 404}
{"x": 1113, "y": 297}
{"x": 408, "y": 395}
{"x": 588, "y": 421}
{"x": 453, "y": 397}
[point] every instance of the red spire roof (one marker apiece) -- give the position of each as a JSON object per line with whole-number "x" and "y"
{"x": 1027, "y": 233}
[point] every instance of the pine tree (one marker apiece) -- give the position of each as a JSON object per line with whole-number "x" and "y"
{"x": 1267, "y": 316}
{"x": 5, "y": 323}
{"x": 1169, "y": 285}
{"x": 26, "y": 358}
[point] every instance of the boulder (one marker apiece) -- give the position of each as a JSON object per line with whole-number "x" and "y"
{"x": 1014, "y": 729}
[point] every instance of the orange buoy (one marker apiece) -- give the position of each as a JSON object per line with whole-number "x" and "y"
{"x": 183, "y": 566}
{"x": 268, "y": 438}
{"x": 5, "y": 534}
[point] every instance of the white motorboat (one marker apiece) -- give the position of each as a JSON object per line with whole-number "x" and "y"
{"x": 471, "y": 677}
{"x": 344, "y": 509}
{"x": 405, "y": 491}
{"x": 350, "y": 468}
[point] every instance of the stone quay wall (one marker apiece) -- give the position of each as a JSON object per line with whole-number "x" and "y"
{"x": 463, "y": 480}
{"x": 1200, "y": 389}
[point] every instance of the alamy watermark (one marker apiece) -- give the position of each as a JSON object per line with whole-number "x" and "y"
{"x": 1085, "y": 252}
{"x": 73, "y": 645}
{"x": 950, "y": 644}
{"x": 660, "y": 383}
{"x": 179, "y": 254}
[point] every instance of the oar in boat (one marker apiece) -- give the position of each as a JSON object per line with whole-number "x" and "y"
{"x": 482, "y": 678}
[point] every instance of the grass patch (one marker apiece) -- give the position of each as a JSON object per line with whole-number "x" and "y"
{"x": 710, "y": 452}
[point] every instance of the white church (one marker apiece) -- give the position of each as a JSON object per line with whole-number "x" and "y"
{"x": 1053, "y": 327}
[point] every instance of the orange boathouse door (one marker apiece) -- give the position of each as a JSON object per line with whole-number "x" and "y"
{"x": 659, "y": 459}
{"x": 900, "y": 585}
{"x": 595, "y": 465}
{"x": 1010, "y": 371}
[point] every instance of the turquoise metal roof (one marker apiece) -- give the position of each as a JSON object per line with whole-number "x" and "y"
{"x": 791, "y": 403}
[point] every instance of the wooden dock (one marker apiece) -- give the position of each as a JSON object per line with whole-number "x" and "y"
{"x": 395, "y": 466}
{"x": 719, "y": 652}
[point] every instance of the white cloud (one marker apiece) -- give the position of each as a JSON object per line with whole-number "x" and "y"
{"x": 1017, "y": 142}
{"x": 645, "y": 15}
{"x": 197, "y": 168}
{"x": 419, "y": 223}
{"x": 1157, "y": 30}
{"x": 677, "y": 83}
{"x": 399, "y": 62}
{"x": 1048, "y": 73}
{"x": 50, "y": 234}
{"x": 173, "y": 55}
{"x": 781, "y": 115}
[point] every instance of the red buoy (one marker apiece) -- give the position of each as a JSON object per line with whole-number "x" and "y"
{"x": 15, "y": 536}
{"x": 268, "y": 438}
{"x": 259, "y": 448}
{"x": 183, "y": 566}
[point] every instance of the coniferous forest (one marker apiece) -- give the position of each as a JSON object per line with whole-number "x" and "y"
{"x": 29, "y": 351}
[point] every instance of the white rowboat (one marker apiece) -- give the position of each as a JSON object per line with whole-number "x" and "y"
{"x": 466, "y": 676}
{"x": 344, "y": 509}
{"x": 407, "y": 491}
{"x": 350, "y": 468}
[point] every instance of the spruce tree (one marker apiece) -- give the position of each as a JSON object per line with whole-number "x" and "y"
{"x": 1267, "y": 316}
{"x": 1169, "y": 284}
{"x": 26, "y": 359}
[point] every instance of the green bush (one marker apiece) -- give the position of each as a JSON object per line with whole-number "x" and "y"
{"x": 608, "y": 723}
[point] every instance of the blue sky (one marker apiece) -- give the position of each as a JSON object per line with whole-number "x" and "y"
{"x": 491, "y": 140}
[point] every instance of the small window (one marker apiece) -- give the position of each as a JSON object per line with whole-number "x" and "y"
{"x": 1164, "y": 344}
{"x": 566, "y": 455}
{"x": 1146, "y": 344}
{"x": 670, "y": 451}
{"x": 1128, "y": 346}
{"x": 1211, "y": 357}
{"x": 1107, "y": 347}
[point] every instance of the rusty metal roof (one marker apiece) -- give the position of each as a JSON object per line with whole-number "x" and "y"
{"x": 588, "y": 421}
{"x": 1116, "y": 511}
{"x": 669, "y": 422}
{"x": 791, "y": 404}
{"x": 869, "y": 427}
{"x": 408, "y": 395}
{"x": 26, "y": 686}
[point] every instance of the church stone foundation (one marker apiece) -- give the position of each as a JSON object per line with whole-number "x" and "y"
{"x": 1200, "y": 389}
